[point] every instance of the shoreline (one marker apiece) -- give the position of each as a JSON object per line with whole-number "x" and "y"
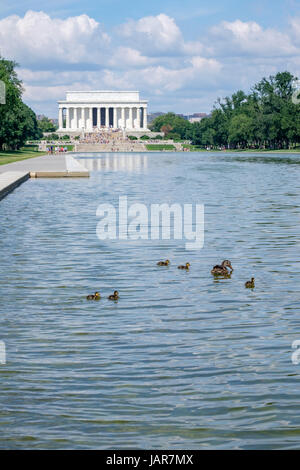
{"x": 44, "y": 166}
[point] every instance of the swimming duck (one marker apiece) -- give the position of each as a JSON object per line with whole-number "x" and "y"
{"x": 250, "y": 284}
{"x": 114, "y": 296}
{"x": 221, "y": 270}
{"x": 187, "y": 266}
{"x": 163, "y": 263}
{"x": 95, "y": 296}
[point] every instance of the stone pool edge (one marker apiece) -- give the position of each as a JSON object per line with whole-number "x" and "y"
{"x": 67, "y": 168}
{"x": 11, "y": 180}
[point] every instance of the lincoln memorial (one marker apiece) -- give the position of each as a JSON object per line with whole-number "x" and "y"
{"x": 88, "y": 111}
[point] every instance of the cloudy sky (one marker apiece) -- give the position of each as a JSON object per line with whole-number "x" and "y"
{"x": 181, "y": 55}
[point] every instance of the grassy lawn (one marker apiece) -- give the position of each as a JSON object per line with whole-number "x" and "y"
{"x": 69, "y": 147}
{"x": 18, "y": 155}
{"x": 159, "y": 147}
{"x": 196, "y": 148}
{"x": 294, "y": 150}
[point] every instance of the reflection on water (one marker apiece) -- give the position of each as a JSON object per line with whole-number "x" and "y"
{"x": 115, "y": 162}
{"x": 182, "y": 360}
{"x": 278, "y": 159}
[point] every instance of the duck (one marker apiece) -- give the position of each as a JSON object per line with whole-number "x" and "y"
{"x": 114, "y": 296}
{"x": 163, "y": 263}
{"x": 250, "y": 284}
{"x": 221, "y": 270}
{"x": 95, "y": 296}
{"x": 187, "y": 266}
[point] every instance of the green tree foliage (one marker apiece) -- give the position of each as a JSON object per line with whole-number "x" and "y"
{"x": 45, "y": 125}
{"x": 265, "y": 118}
{"x": 170, "y": 123}
{"x": 17, "y": 121}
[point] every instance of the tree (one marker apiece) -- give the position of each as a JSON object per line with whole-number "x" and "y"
{"x": 171, "y": 122}
{"x": 45, "y": 125}
{"x": 17, "y": 121}
{"x": 240, "y": 130}
{"x": 279, "y": 115}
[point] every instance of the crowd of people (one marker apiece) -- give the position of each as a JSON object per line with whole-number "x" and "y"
{"x": 103, "y": 137}
{"x": 55, "y": 149}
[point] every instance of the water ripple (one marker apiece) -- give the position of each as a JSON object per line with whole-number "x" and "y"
{"x": 181, "y": 361}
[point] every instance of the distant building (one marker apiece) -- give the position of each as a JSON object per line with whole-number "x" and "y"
{"x": 197, "y": 117}
{"x": 152, "y": 116}
{"x": 40, "y": 117}
{"x": 92, "y": 110}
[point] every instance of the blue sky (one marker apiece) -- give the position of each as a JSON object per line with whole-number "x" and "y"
{"x": 188, "y": 14}
{"x": 180, "y": 55}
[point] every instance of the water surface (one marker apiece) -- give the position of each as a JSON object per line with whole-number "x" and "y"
{"x": 181, "y": 361}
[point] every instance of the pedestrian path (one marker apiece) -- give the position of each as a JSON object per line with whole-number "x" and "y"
{"x": 47, "y": 166}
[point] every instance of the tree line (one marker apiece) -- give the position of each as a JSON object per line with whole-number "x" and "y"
{"x": 266, "y": 118}
{"x": 18, "y": 123}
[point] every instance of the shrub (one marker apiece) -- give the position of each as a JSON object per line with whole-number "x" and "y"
{"x": 173, "y": 136}
{"x": 160, "y": 147}
{"x": 53, "y": 136}
{"x": 132, "y": 137}
{"x": 145, "y": 137}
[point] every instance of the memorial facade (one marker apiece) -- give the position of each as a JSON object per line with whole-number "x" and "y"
{"x": 88, "y": 111}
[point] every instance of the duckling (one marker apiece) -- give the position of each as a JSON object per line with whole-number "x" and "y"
{"x": 250, "y": 284}
{"x": 95, "y": 296}
{"x": 114, "y": 296}
{"x": 187, "y": 266}
{"x": 221, "y": 270}
{"x": 163, "y": 263}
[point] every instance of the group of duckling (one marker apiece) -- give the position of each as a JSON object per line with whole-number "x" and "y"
{"x": 167, "y": 262}
{"x": 220, "y": 270}
{"x": 224, "y": 270}
{"x": 97, "y": 296}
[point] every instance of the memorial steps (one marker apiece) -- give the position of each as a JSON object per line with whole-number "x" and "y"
{"x": 111, "y": 147}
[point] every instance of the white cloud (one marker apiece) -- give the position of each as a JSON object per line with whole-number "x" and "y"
{"x": 240, "y": 38}
{"x": 153, "y": 33}
{"x": 150, "y": 55}
{"x": 127, "y": 57}
{"x": 159, "y": 36}
{"x": 39, "y": 39}
{"x": 295, "y": 24}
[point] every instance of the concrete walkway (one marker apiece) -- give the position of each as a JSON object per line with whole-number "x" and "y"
{"x": 48, "y": 166}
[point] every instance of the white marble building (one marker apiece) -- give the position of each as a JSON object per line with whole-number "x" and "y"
{"x": 87, "y": 111}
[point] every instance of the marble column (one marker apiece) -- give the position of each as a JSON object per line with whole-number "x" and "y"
{"x": 91, "y": 118}
{"x": 60, "y": 118}
{"x": 106, "y": 117}
{"x": 130, "y": 118}
{"x": 83, "y": 118}
{"x": 138, "y": 117}
{"x": 145, "y": 119}
{"x": 123, "y": 117}
{"x": 75, "y": 119}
